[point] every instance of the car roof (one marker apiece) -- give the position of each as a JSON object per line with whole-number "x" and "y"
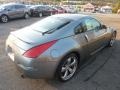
{"x": 71, "y": 16}
{"x": 11, "y": 4}
{"x": 37, "y": 6}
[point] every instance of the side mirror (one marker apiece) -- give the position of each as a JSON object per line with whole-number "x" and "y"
{"x": 7, "y": 9}
{"x": 104, "y": 27}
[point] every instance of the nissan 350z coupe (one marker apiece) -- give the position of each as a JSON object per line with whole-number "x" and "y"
{"x": 55, "y": 46}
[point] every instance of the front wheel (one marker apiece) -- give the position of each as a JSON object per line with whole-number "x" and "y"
{"x": 51, "y": 14}
{"x": 4, "y": 18}
{"x": 26, "y": 16}
{"x": 40, "y": 14}
{"x": 67, "y": 67}
{"x": 112, "y": 40}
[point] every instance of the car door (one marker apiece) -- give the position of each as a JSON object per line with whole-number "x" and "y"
{"x": 100, "y": 33}
{"x": 11, "y": 11}
{"x": 45, "y": 11}
{"x": 92, "y": 37}
{"x": 85, "y": 37}
{"x": 19, "y": 9}
{"x": 89, "y": 34}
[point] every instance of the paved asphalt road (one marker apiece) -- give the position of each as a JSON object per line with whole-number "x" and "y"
{"x": 100, "y": 72}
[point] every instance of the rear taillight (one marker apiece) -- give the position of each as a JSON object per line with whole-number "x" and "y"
{"x": 38, "y": 50}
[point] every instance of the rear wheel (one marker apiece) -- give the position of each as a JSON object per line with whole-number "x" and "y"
{"x": 40, "y": 14}
{"x": 4, "y": 18}
{"x": 51, "y": 14}
{"x": 112, "y": 41}
{"x": 67, "y": 67}
{"x": 26, "y": 16}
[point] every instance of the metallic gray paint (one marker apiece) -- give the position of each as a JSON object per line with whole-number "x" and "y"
{"x": 14, "y": 13}
{"x": 45, "y": 65}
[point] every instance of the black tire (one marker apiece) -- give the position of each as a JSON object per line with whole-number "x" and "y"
{"x": 73, "y": 65}
{"x": 4, "y": 18}
{"x": 26, "y": 15}
{"x": 112, "y": 40}
{"x": 40, "y": 15}
{"x": 51, "y": 13}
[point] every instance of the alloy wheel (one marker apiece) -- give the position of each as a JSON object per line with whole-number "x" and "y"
{"x": 69, "y": 68}
{"x": 4, "y": 19}
{"x": 51, "y": 14}
{"x": 40, "y": 15}
{"x": 26, "y": 16}
{"x": 112, "y": 40}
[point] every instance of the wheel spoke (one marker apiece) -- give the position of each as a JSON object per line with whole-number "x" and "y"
{"x": 63, "y": 69}
{"x": 66, "y": 74}
{"x": 68, "y": 61}
{"x": 73, "y": 63}
{"x": 70, "y": 70}
{"x": 4, "y": 19}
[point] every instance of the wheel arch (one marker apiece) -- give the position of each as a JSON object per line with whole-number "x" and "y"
{"x": 62, "y": 58}
{"x": 5, "y": 15}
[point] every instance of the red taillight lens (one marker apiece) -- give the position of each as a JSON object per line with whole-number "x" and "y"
{"x": 38, "y": 50}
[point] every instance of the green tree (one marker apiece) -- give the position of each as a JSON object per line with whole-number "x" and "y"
{"x": 57, "y": 0}
{"x": 116, "y": 6}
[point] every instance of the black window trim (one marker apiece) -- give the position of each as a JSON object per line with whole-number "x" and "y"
{"x": 93, "y": 19}
{"x": 79, "y": 25}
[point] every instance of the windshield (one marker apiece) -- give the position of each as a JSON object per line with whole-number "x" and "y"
{"x": 50, "y": 23}
{"x": 2, "y": 8}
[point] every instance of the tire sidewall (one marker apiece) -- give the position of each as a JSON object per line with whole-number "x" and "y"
{"x": 58, "y": 73}
{"x": 51, "y": 13}
{"x": 114, "y": 34}
{"x": 26, "y": 16}
{"x": 40, "y": 14}
{"x": 4, "y": 16}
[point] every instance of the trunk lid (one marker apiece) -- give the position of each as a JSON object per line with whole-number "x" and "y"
{"x": 27, "y": 35}
{"x": 27, "y": 38}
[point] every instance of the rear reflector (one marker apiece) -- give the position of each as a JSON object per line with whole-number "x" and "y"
{"x": 38, "y": 50}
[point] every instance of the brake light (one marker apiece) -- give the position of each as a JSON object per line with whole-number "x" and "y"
{"x": 38, "y": 50}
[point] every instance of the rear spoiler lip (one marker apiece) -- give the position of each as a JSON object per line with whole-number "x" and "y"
{"x": 19, "y": 38}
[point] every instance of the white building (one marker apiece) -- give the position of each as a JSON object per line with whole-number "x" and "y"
{"x": 106, "y": 9}
{"x": 89, "y": 7}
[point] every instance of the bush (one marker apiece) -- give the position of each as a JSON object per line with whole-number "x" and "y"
{"x": 116, "y": 7}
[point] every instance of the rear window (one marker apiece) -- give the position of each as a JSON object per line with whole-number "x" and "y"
{"x": 50, "y": 23}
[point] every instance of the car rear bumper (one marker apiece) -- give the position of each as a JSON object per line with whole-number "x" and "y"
{"x": 35, "y": 70}
{"x": 34, "y": 73}
{"x": 43, "y": 66}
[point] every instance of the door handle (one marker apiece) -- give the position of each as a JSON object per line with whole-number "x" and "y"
{"x": 86, "y": 37}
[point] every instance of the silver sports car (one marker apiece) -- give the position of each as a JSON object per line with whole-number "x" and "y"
{"x": 55, "y": 46}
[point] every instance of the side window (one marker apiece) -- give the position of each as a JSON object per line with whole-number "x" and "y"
{"x": 88, "y": 25}
{"x": 10, "y": 8}
{"x": 96, "y": 24}
{"x": 91, "y": 24}
{"x": 37, "y": 8}
{"x": 79, "y": 29}
{"x": 19, "y": 6}
{"x": 41, "y": 8}
{"x": 23, "y": 6}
